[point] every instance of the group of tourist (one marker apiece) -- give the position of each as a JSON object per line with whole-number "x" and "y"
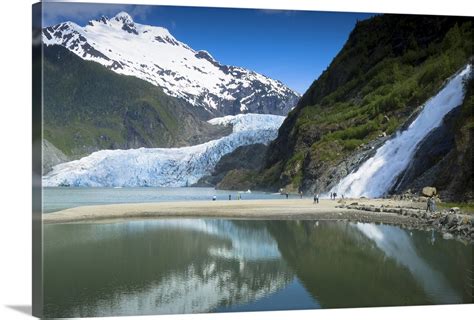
{"x": 239, "y": 197}
{"x": 430, "y": 204}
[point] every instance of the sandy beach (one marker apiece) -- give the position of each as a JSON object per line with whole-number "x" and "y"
{"x": 245, "y": 209}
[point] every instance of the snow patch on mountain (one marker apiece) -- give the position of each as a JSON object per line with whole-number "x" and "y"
{"x": 151, "y": 53}
{"x": 164, "y": 167}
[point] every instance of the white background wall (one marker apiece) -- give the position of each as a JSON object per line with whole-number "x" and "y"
{"x": 15, "y": 159}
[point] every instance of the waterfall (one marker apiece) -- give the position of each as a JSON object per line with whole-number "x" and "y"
{"x": 376, "y": 176}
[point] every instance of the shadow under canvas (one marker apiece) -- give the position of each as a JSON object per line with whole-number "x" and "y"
{"x": 22, "y": 308}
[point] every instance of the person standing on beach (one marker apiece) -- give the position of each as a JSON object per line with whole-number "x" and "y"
{"x": 230, "y": 197}
{"x": 301, "y": 194}
{"x": 316, "y": 198}
{"x": 286, "y": 194}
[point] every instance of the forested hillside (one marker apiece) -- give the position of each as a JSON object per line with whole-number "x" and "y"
{"x": 389, "y": 66}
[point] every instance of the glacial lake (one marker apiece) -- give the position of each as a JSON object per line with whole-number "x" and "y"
{"x": 167, "y": 266}
{"x": 55, "y": 199}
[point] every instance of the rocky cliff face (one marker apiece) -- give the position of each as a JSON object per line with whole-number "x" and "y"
{"x": 388, "y": 67}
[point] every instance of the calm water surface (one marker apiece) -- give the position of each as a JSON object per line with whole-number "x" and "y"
{"x": 210, "y": 265}
{"x": 55, "y": 199}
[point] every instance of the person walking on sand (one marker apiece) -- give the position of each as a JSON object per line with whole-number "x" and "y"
{"x": 230, "y": 197}
{"x": 301, "y": 194}
{"x": 286, "y": 194}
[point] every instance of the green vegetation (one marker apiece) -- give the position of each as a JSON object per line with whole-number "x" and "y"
{"x": 466, "y": 120}
{"x": 389, "y": 66}
{"x": 88, "y": 107}
{"x": 466, "y": 207}
{"x": 237, "y": 179}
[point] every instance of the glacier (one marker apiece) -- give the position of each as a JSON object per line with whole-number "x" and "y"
{"x": 164, "y": 167}
{"x": 376, "y": 176}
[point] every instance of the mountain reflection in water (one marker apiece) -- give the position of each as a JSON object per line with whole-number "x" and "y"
{"x": 206, "y": 265}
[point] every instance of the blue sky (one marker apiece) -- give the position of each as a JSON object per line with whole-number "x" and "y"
{"x": 291, "y": 46}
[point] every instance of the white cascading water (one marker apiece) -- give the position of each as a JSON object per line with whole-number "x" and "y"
{"x": 376, "y": 176}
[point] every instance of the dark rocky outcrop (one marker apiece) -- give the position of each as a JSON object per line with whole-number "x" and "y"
{"x": 52, "y": 156}
{"x": 238, "y": 179}
{"x": 243, "y": 161}
{"x": 454, "y": 173}
{"x": 444, "y": 158}
{"x": 434, "y": 147}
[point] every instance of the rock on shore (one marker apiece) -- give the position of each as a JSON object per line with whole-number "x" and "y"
{"x": 451, "y": 222}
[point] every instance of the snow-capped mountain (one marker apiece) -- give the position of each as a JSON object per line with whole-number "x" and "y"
{"x": 151, "y": 53}
{"x": 166, "y": 167}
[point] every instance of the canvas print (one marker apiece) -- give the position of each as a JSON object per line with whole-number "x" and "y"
{"x": 193, "y": 159}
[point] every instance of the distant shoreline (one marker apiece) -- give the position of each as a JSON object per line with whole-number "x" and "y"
{"x": 267, "y": 209}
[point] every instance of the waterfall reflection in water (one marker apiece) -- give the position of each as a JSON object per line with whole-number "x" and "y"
{"x": 397, "y": 244}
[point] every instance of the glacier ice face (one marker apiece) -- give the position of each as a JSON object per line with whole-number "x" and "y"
{"x": 164, "y": 167}
{"x": 152, "y": 54}
{"x": 376, "y": 176}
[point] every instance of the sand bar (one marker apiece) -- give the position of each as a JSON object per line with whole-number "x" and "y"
{"x": 234, "y": 209}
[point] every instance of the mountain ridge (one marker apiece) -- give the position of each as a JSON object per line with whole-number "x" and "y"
{"x": 152, "y": 53}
